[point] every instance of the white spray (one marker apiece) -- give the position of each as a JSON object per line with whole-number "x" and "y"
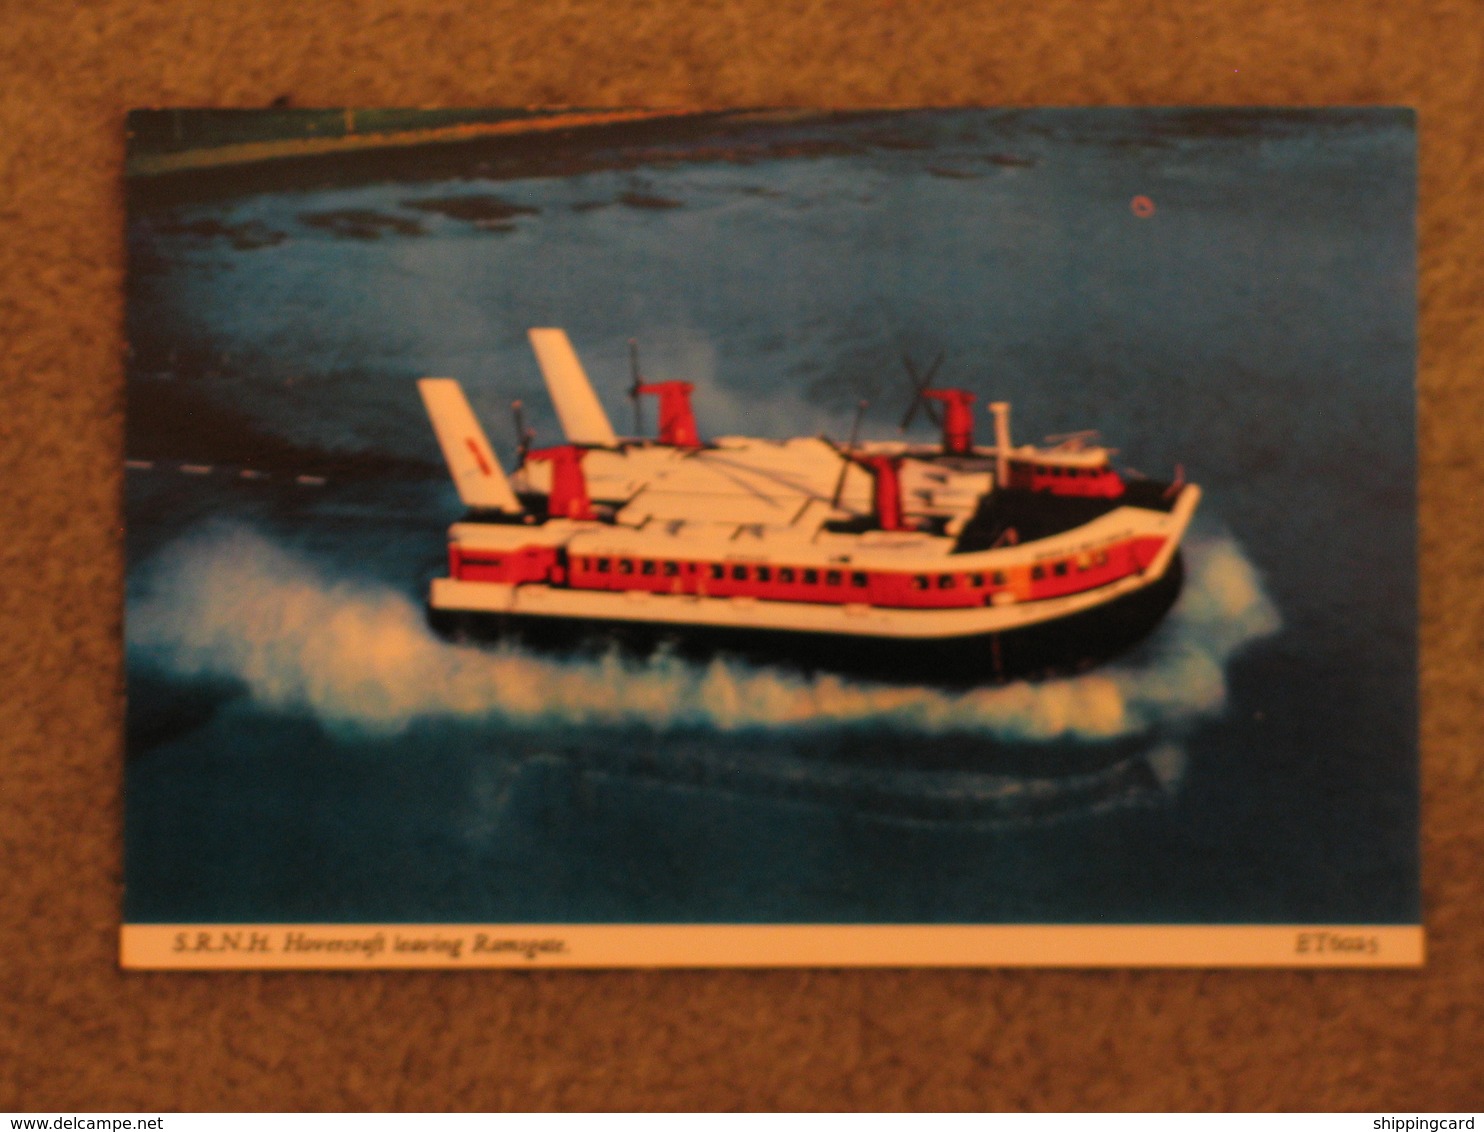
{"x": 229, "y": 603}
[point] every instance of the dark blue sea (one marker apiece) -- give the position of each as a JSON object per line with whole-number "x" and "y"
{"x": 302, "y": 747}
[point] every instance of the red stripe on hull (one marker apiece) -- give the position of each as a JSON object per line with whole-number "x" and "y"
{"x": 1056, "y": 576}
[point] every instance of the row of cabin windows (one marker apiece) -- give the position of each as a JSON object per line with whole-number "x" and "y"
{"x": 739, "y": 572}
{"x": 648, "y": 567}
{"x": 1064, "y": 470}
{"x": 950, "y": 581}
{"x": 1062, "y": 568}
{"x": 787, "y": 575}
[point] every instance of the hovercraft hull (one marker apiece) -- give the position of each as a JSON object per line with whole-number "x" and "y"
{"x": 1061, "y": 646}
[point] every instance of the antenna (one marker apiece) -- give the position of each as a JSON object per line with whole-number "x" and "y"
{"x": 634, "y": 383}
{"x": 919, "y": 387}
{"x": 845, "y": 461}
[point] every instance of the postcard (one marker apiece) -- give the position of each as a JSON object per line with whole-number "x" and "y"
{"x": 655, "y": 538}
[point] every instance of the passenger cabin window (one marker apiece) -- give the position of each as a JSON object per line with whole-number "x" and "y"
{"x": 785, "y": 573}
{"x": 919, "y": 582}
{"x": 718, "y": 571}
{"x": 625, "y": 566}
{"x": 602, "y": 565}
{"x": 945, "y": 581}
{"x": 858, "y": 579}
{"x": 976, "y": 580}
{"x": 646, "y": 567}
{"x": 671, "y": 569}
{"x": 832, "y": 578}
{"x": 1037, "y": 573}
{"x": 998, "y": 577}
{"x": 811, "y": 577}
{"x": 739, "y": 573}
{"x": 1060, "y": 569}
{"x": 765, "y": 573}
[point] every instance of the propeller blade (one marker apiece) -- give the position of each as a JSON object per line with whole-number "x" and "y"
{"x": 917, "y": 388}
{"x": 934, "y": 410}
{"x": 932, "y": 370}
{"x": 920, "y": 385}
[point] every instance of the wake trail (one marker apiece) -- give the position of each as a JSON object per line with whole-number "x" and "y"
{"x": 226, "y": 602}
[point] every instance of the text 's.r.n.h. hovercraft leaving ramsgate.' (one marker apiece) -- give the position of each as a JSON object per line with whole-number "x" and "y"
{"x": 952, "y": 563}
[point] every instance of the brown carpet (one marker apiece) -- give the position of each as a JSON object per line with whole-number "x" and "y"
{"x": 76, "y": 1034}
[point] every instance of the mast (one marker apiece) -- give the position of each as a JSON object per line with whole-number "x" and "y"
{"x": 1001, "y": 411}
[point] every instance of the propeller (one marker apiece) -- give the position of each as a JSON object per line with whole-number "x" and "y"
{"x": 855, "y": 431}
{"x": 634, "y": 383}
{"x": 919, "y": 387}
{"x": 523, "y": 435}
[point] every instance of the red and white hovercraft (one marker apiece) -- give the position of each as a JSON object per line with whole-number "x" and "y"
{"x": 953, "y": 564}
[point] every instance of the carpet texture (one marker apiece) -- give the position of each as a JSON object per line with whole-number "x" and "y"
{"x": 76, "y": 1034}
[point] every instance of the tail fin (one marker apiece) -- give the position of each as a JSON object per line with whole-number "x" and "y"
{"x": 471, "y": 461}
{"x": 582, "y": 416}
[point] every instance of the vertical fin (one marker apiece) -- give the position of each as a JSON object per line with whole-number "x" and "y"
{"x": 471, "y": 461}
{"x": 582, "y": 416}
